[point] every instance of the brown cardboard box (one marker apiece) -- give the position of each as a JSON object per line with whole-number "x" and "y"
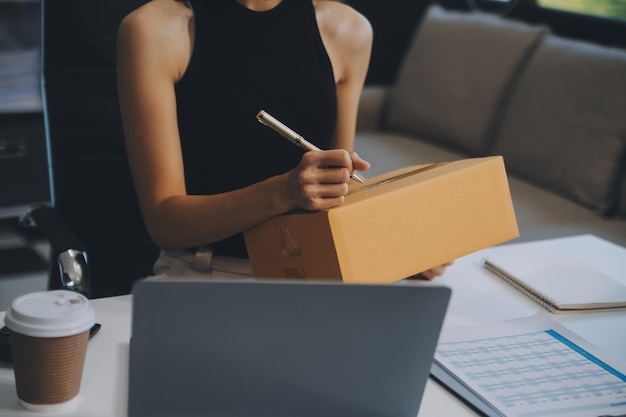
{"x": 396, "y": 225}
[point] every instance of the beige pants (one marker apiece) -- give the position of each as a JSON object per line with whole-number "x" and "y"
{"x": 202, "y": 264}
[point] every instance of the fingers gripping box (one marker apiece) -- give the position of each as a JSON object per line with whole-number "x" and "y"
{"x": 395, "y": 225}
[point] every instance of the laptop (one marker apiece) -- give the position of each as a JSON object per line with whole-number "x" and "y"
{"x": 281, "y": 348}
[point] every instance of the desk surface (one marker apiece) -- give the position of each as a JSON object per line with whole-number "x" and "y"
{"x": 478, "y": 297}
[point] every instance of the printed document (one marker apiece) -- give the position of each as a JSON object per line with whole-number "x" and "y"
{"x": 533, "y": 367}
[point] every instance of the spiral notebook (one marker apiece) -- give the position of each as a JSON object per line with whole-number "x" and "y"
{"x": 559, "y": 282}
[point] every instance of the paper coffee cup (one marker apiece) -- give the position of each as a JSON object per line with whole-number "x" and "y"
{"x": 49, "y": 335}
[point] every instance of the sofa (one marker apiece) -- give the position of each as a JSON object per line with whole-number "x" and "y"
{"x": 475, "y": 84}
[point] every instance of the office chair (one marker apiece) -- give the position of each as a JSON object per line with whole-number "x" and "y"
{"x": 100, "y": 246}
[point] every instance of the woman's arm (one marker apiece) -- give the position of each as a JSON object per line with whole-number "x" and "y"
{"x": 347, "y": 36}
{"x": 154, "y": 47}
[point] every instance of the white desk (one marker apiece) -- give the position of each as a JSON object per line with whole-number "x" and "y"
{"x": 478, "y": 297}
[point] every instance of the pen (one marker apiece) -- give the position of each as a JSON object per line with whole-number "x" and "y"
{"x": 270, "y": 121}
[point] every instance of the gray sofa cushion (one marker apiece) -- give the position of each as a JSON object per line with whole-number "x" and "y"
{"x": 387, "y": 151}
{"x": 455, "y": 75}
{"x": 565, "y": 126}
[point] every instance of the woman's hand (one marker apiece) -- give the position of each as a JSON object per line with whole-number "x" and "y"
{"x": 320, "y": 181}
{"x": 435, "y": 272}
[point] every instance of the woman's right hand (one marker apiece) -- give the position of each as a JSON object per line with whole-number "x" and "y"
{"x": 320, "y": 180}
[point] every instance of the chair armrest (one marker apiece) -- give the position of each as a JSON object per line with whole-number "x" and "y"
{"x": 66, "y": 247}
{"x": 371, "y": 106}
{"x": 60, "y": 236}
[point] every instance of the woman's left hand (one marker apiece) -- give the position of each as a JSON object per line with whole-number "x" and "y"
{"x": 436, "y": 271}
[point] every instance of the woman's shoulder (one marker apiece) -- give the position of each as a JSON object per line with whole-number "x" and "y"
{"x": 158, "y": 32}
{"x": 341, "y": 22}
{"x": 334, "y": 14}
{"x": 157, "y": 19}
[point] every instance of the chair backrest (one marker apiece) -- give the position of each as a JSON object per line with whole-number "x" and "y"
{"x": 91, "y": 182}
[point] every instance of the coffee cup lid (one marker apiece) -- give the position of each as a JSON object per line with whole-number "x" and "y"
{"x": 50, "y": 314}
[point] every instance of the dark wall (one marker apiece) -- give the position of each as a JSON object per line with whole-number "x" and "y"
{"x": 393, "y": 22}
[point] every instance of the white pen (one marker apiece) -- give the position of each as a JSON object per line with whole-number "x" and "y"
{"x": 270, "y": 121}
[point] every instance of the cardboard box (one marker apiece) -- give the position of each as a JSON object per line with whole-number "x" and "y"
{"x": 394, "y": 226}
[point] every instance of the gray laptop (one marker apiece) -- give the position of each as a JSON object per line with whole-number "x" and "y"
{"x": 281, "y": 348}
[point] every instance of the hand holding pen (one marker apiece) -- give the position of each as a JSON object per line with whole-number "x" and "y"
{"x": 273, "y": 123}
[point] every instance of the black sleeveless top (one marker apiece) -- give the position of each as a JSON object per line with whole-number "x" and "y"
{"x": 244, "y": 61}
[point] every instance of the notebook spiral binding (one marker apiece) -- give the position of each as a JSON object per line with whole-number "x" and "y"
{"x": 546, "y": 302}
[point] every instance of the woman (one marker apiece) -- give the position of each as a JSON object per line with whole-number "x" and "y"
{"x": 191, "y": 78}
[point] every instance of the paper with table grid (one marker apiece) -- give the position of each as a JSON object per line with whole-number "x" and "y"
{"x": 534, "y": 367}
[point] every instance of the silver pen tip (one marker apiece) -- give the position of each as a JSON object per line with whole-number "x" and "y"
{"x": 357, "y": 178}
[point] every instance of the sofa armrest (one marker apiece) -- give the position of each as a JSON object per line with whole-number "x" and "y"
{"x": 371, "y": 104}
